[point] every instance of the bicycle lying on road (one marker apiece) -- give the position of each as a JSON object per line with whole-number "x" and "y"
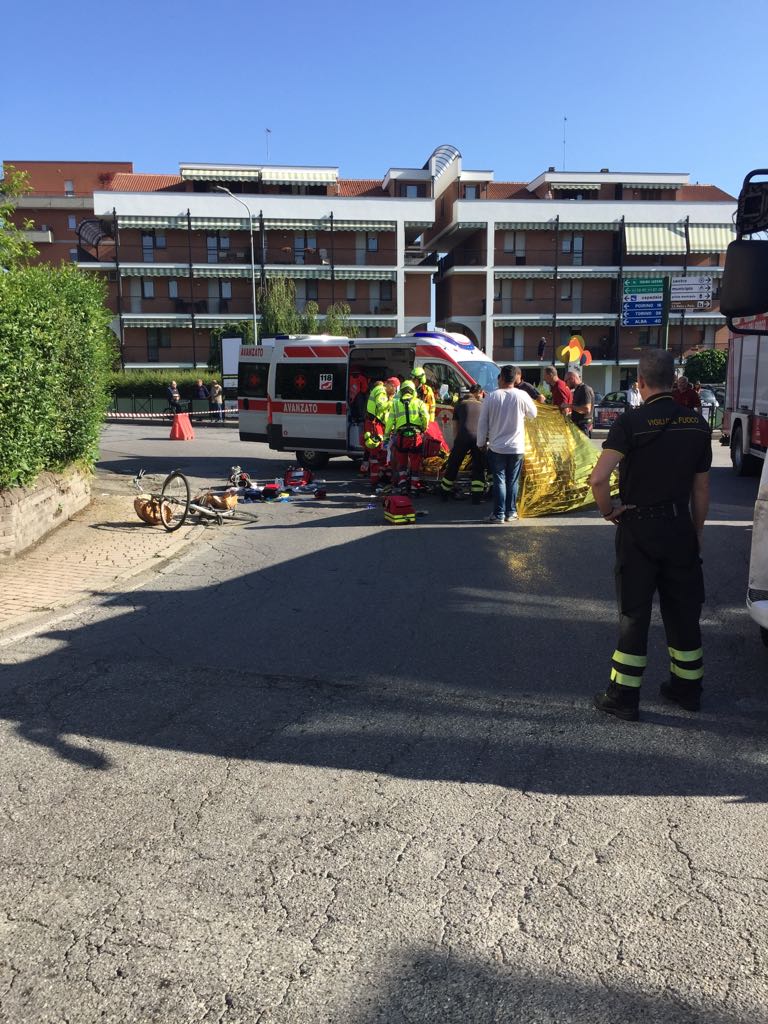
{"x": 173, "y": 504}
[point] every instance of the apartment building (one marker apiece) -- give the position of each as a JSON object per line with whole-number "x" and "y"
{"x": 548, "y": 258}
{"x": 61, "y": 198}
{"x": 511, "y": 262}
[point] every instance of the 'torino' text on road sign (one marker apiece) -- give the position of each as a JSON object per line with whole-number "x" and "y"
{"x": 642, "y": 302}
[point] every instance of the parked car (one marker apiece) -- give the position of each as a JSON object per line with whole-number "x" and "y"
{"x": 609, "y": 408}
{"x": 710, "y": 408}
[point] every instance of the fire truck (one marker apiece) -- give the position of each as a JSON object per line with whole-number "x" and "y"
{"x": 298, "y": 393}
{"x": 745, "y": 420}
{"x": 744, "y": 302}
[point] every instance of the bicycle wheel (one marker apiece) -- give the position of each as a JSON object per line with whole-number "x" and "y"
{"x": 243, "y": 517}
{"x": 174, "y": 501}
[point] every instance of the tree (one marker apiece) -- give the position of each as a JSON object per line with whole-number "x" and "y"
{"x": 278, "y": 308}
{"x": 337, "y": 320}
{"x": 708, "y": 366}
{"x": 15, "y": 249}
{"x": 309, "y": 321}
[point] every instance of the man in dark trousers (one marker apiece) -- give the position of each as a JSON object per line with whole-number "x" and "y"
{"x": 582, "y": 402}
{"x": 664, "y": 453}
{"x": 466, "y": 413}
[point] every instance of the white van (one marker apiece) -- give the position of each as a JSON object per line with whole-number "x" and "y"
{"x": 296, "y": 393}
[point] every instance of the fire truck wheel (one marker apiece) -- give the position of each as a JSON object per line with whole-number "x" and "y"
{"x": 310, "y": 459}
{"x": 743, "y": 465}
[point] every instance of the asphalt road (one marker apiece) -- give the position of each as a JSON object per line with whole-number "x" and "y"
{"x": 321, "y": 769}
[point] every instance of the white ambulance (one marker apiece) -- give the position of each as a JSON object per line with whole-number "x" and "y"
{"x": 297, "y": 393}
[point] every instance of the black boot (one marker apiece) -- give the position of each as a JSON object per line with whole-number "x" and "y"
{"x": 686, "y": 693}
{"x": 619, "y": 701}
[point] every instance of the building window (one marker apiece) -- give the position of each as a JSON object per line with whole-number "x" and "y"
{"x": 69, "y": 188}
{"x": 514, "y": 338}
{"x": 73, "y": 255}
{"x": 471, "y": 192}
{"x": 529, "y": 291}
{"x": 565, "y": 290}
{"x": 410, "y": 191}
{"x": 385, "y": 291}
{"x": 157, "y": 338}
{"x": 217, "y": 247}
{"x": 159, "y": 240}
{"x": 649, "y": 338}
{"x": 351, "y": 291}
{"x": 226, "y": 289}
{"x": 173, "y": 289}
{"x": 147, "y": 246}
{"x": 372, "y": 243}
{"x": 573, "y": 246}
{"x": 147, "y": 288}
{"x": 311, "y": 291}
{"x": 304, "y": 247}
{"x": 514, "y": 245}
{"x": 72, "y": 222}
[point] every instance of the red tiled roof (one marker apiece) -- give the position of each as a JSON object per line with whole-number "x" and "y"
{"x": 508, "y": 190}
{"x": 360, "y": 187}
{"x": 704, "y": 193}
{"x": 144, "y": 182}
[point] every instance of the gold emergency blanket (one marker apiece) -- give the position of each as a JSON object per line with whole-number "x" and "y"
{"x": 558, "y": 461}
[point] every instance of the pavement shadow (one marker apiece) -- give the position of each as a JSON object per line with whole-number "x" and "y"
{"x": 420, "y": 653}
{"x": 428, "y": 987}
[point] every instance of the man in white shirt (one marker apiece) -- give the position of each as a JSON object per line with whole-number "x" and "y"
{"x": 502, "y": 423}
{"x": 634, "y": 398}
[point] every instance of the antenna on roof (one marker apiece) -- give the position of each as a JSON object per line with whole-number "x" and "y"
{"x": 565, "y": 122}
{"x": 267, "y": 133}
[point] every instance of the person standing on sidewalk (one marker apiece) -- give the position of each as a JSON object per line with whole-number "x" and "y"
{"x": 582, "y": 402}
{"x": 664, "y": 453}
{"x": 561, "y": 393}
{"x": 502, "y": 422}
{"x": 217, "y": 400}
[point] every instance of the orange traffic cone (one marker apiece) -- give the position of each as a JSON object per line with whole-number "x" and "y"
{"x": 177, "y": 430}
{"x": 189, "y": 434}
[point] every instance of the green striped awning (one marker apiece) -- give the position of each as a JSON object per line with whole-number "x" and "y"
{"x": 222, "y": 223}
{"x": 658, "y": 185}
{"x": 223, "y": 270}
{"x": 144, "y": 221}
{"x": 160, "y": 320}
{"x": 308, "y": 272}
{"x": 374, "y": 321}
{"x": 523, "y": 273}
{"x": 299, "y": 175}
{"x": 549, "y": 225}
{"x": 377, "y": 226}
{"x": 711, "y": 237}
{"x": 196, "y": 173}
{"x": 575, "y": 273}
{"x": 154, "y": 270}
{"x": 655, "y": 239}
{"x": 216, "y": 320}
{"x": 365, "y": 274}
{"x": 574, "y": 186}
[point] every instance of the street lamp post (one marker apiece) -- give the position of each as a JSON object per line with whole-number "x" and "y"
{"x": 253, "y": 260}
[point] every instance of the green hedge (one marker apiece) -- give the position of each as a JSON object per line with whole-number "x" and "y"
{"x": 154, "y": 383}
{"x": 55, "y": 354}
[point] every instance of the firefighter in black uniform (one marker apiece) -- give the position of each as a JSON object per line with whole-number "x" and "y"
{"x": 466, "y": 414}
{"x": 664, "y": 453}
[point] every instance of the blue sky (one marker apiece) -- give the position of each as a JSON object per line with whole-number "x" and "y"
{"x": 645, "y": 85}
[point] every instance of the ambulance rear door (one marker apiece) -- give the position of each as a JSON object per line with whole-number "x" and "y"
{"x": 309, "y": 398}
{"x": 252, "y": 401}
{"x": 448, "y": 381}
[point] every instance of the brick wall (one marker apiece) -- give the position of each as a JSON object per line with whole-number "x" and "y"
{"x": 28, "y": 513}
